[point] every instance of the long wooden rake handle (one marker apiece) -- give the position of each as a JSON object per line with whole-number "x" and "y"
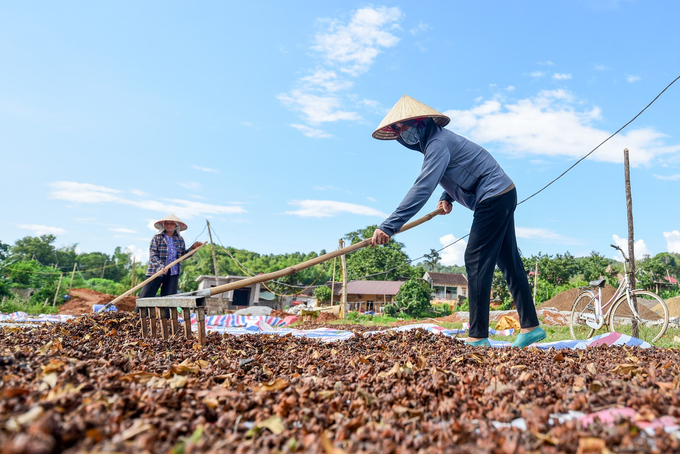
{"x": 304, "y": 265}
{"x": 142, "y": 284}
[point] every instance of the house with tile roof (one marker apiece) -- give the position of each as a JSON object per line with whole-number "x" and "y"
{"x": 447, "y": 286}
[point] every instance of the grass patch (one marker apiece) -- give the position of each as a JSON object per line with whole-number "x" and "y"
{"x": 18, "y": 304}
{"x": 555, "y": 333}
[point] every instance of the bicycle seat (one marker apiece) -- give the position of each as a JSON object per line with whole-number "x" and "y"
{"x": 598, "y": 283}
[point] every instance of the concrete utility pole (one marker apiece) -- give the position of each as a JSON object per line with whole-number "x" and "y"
{"x": 212, "y": 247}
{"x": 631, "y": 235}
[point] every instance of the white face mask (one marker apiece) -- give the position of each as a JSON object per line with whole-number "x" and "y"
{"x": 410, "y": 136}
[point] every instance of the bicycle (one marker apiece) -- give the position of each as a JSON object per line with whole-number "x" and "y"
{"x": 630, "y": 310}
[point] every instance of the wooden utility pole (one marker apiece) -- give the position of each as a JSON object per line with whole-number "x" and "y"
{"x": 132, "y": 276}
{"x": 631, "y": 235}
{"x": 212, "y": 248}
{"x": 535, "y": 281}
{"x": 333, "y": 282}
{"x": 54, "y": 303}
{"x": 73, "y": 273}
{"x": 343, "y": 299}
{"x": 104, "y": 268}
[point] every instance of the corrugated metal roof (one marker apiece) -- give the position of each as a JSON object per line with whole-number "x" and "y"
{"x": 374, "y": 287}
{"x": 447, "y": 278}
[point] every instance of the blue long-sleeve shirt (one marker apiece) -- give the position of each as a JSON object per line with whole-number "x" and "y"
{"x": 467, "y": 172}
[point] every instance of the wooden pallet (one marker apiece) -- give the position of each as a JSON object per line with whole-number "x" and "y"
{"x": 164, "y": 309}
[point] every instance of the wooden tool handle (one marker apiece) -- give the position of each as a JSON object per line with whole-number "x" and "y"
{"x": 142, "y": 284}
{"x": 315, "y": 261}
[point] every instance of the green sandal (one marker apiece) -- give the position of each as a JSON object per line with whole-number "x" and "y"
{"x": 480, "y": 343}
{"x": 526, "y": 339}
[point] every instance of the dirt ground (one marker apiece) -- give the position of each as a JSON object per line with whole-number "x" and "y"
{"x": 673, "y": 306}
{"x": 94, "y": 385}
{"x": 563, "y": 301}
{"x": 82, "y": 300}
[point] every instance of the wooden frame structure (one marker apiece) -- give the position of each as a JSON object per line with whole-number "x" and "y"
{"x": 165, "y": 311}
{"x": 196, "y": 300}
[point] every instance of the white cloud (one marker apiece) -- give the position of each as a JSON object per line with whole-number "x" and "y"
{"x": 455, "y": 254}
{"x": 639, "y": 247}
{"x": 420, "y": 28}
{"x": 326, "y": 80}
{"x": 39, "y": 229}
{"x": 537, "y": 74}
{"x": 632, "y": 79}
{"x": 87, "y": 193}
{"x": 510, "y": 88}
{"x": 151, "y": 226}
{"x": 330, "y": 208}
{"x": 539, "y": 234}
{"x": 140, "y": 255}
{"x": 346, "y": 49}
{"x": 600, "y": 68}
{"x": 312, "y": 132}
{"x": 317, "y": 109}
{"x": 552, "y": 123}
{"x": 675, "y": 177}
{"x": 191, "y": 185}
{"x": 354, "y": 46}
{"x": 561, "y": 76}
{"x": 205, "y": 169}
{"x": 672, "y": 241}
{"x": 122, "y": 230}
{"x": 546, "y": 63}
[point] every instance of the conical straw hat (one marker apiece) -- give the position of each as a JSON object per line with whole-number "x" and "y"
{"x": 405, "y": 109}
{"x": 173, "y": 218}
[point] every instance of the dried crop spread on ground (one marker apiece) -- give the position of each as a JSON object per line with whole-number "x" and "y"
{"x": 95, "y": 385}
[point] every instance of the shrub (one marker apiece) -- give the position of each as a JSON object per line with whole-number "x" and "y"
{"x": 322, "y": 294}
{"x": 106, "y": 286}
{"x": 413, "y": 299}
{"x": 16, "y": 304}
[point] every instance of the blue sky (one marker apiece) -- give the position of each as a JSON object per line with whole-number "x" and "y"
{"x": 258, "y": 116}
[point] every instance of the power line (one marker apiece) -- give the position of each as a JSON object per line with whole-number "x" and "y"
{"x": 601, "y": 143}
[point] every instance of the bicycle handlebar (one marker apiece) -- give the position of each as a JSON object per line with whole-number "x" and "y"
{"x": 620, "y": 250}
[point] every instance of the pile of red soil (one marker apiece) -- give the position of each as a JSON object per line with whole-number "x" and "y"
{"x": 327, "y": 317}
{"x": 563, "y": 301}
{"x": 280, "y": 314}
{"x": 82, "y": 300}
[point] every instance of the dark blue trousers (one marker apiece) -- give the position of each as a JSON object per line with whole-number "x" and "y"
{"x": 493, "y": 242}
{"x": 168, "y": 285}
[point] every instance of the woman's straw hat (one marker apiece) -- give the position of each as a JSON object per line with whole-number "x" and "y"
{"x": 173, "y": 218}
{"x": 405, "y": 109}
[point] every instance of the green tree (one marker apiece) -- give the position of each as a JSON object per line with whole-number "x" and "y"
{"x": 499, "y": 287}
{"x": 4, "y": 251}
{"x": 431, "y": 259}
{"x": 322, "y": 294}
{"x": 387, "y": 262}
{"x": 555, "y": 270}
{"x": 92, "y": 263}
{"x": 413, "y": 298}
{"x": 38, "y": 248}
{"x": 593, "y": 266}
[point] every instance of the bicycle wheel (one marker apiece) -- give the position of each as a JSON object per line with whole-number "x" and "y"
{"x": 652, "y": 321}
{"x": 583, "y": 304}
